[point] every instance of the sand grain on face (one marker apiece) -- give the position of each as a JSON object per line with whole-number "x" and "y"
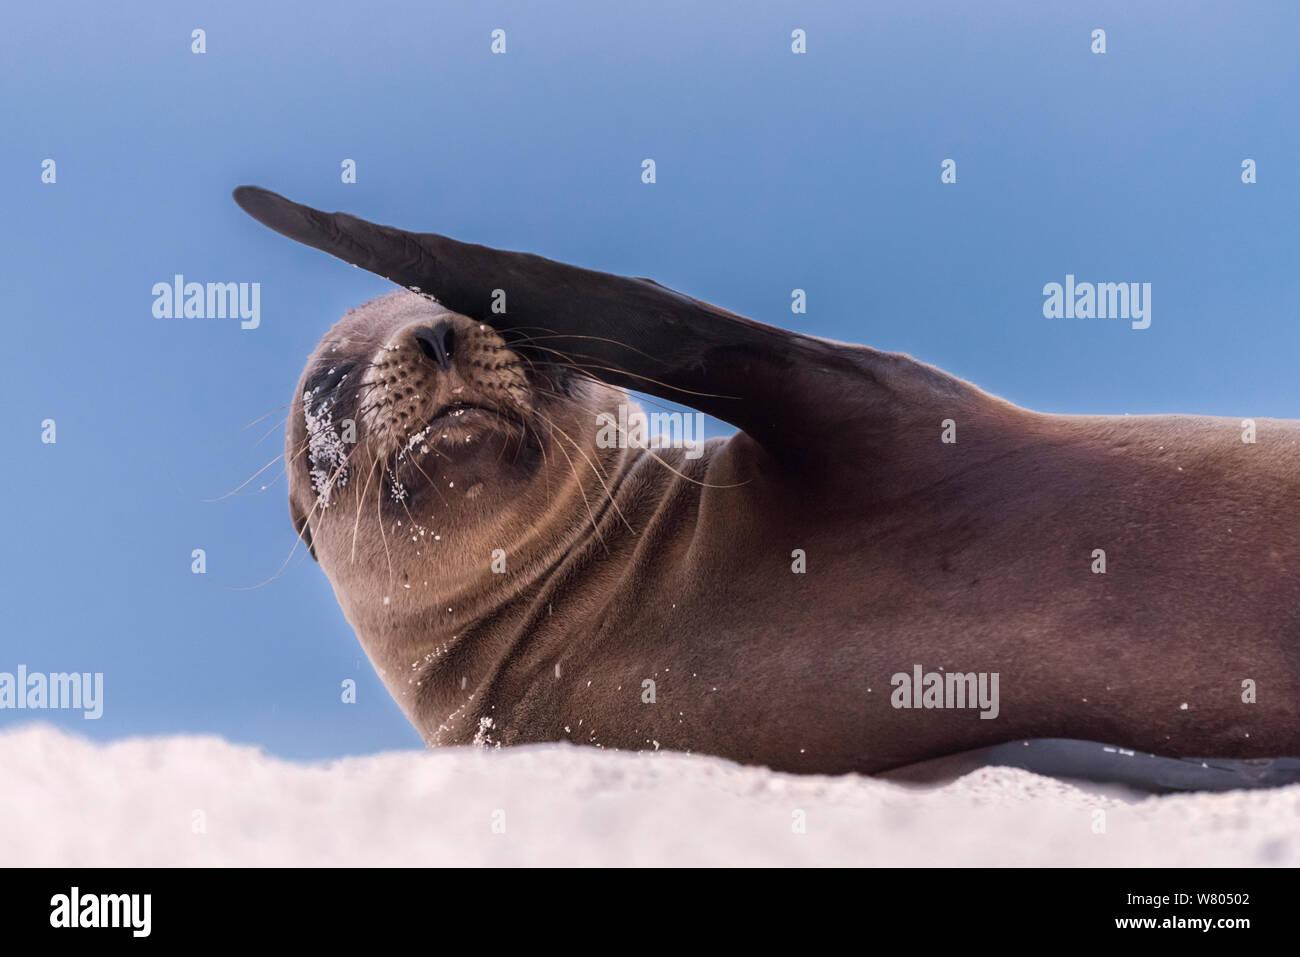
{"x": 326, "y": 450}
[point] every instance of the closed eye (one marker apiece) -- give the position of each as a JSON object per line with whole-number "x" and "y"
{"x": 324, "y": 382}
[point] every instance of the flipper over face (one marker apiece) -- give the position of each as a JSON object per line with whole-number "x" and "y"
{"x": 777, "y": 386}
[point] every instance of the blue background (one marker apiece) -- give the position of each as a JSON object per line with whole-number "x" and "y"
{"x": 775, "y": 171}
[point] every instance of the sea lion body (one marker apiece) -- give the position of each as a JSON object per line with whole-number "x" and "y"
{"x": 520, "y": 582}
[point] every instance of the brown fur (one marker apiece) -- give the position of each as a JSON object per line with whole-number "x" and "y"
{"x": 623, "y": 565}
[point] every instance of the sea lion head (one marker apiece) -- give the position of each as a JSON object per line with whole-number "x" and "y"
{"x": 458, "y": 452}
{"x": 424, "y": 454}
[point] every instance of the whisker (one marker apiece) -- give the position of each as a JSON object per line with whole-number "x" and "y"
{"x": 236, "y": 489}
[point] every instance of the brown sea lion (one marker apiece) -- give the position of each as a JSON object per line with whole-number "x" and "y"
{"x": 885, "y": 564}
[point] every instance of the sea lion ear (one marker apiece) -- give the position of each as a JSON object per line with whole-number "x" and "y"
{"x": 302, "y": 528}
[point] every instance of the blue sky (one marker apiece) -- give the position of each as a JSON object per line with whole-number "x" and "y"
{"x": 775, "y": 171}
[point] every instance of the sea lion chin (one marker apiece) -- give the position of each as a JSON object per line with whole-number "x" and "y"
{"x": 802, "y": 594}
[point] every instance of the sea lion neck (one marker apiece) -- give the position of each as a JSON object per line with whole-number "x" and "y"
{"x": 568, "y": 570}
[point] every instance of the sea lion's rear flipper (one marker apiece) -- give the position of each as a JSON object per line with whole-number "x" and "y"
{"x": 1106, "y": 764}
{"x": 778, "y": 386}
{"x": 1090, "y": 761}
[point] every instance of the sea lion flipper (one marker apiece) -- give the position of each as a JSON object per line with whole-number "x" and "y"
{"x": 776, "y": 385}
{"x": 392, "y": 253}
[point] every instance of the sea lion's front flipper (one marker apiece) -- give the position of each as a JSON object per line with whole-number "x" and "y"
{"x": 778, "y": 386}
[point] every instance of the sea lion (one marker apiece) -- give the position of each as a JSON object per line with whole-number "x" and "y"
{"x": 801, "y": 594}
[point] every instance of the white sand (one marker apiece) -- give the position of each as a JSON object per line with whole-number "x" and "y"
{"x": 203, "y": 801}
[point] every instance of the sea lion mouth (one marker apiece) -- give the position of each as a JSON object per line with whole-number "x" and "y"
{"x": 457, "y": 423}
{"x": 462, "y": 411}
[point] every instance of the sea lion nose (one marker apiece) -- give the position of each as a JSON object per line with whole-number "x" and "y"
{"x": 437, "y": 342}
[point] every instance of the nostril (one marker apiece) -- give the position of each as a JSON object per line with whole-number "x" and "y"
{"x": 426, "y": 344}
{"x": 438, "y": 342}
